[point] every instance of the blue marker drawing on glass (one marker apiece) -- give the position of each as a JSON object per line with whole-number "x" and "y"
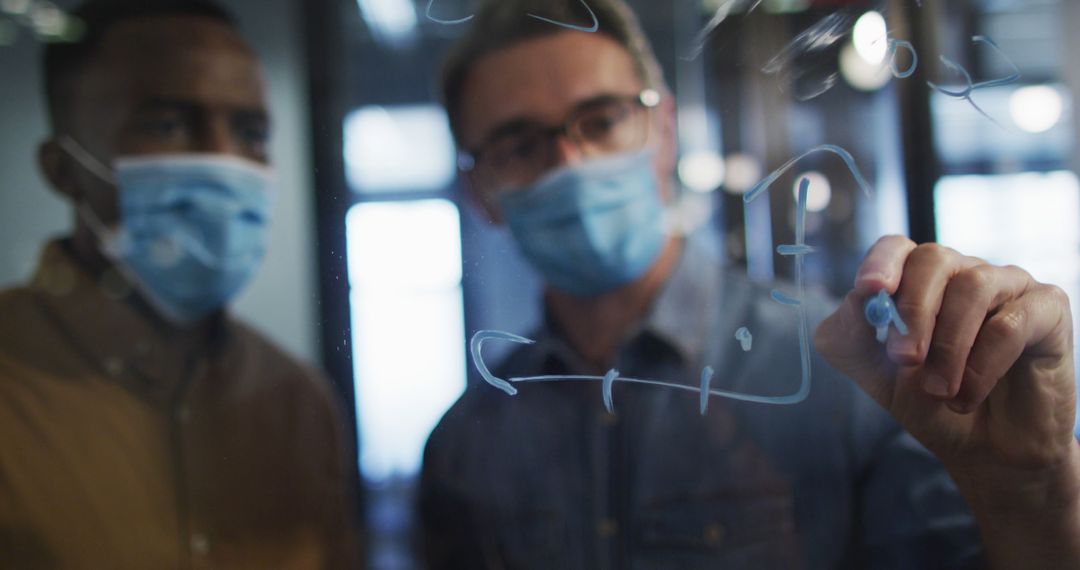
{"x": 818, "y": 37}
{"x": 800, "y": 237}
{"x": 706, "y": 381}
{"x": 798, "y": 250}
{"x": 446, "y": 22}
{"x": 969, "y": 85}
{"x": 506, "y": 385}
{"x": 746, "y": 340}
{"x": 790, "y": 250}
{"x": 880, "y": 311}
{"x": 838, "y": 151}
{"x": 722, "y": 12}
{"x": 963, "y": 94}
{"x": 477, "y": 343}
{"x": 607, "y": 382}
{"x": 1011, "y": 78}
{"x": 595, "y": 25}
{"x": 822, "y": 34}
{"x": 784, "y": 299}
{"x": 893, "y": 45}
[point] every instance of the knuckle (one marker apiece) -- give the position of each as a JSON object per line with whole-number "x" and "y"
{"x": 974, "y": 375}
{"x": 932, "y": 253}
{"x": 1019, "y": 271}
{"x": 1007, "y": 325}
{"x": 945, "y": 346}
{"x": 976, "y": 280}
{"x": 913, "y": 310}
{"x": 894, "y": 240}
{"x": 1056, "y": 295}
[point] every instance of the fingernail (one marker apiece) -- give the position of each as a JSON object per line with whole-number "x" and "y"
{"x": 874, "y": 276}
{"x": 904, "y": 347}
{"x": 959, "y": 408}
{"x": 936, "y": 386}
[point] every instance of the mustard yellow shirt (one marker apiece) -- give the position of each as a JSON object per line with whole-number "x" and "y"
{"x": 123, "y": 446}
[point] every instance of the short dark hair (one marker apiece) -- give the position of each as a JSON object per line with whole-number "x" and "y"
{"x": 500, "y": 24}
{"x": 63, "y": 61}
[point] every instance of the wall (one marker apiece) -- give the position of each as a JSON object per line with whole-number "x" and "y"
{"x": 282, "y": 301}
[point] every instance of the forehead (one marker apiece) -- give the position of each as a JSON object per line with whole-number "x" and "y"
{"x": 543, "y": 79}
{"x": 187, "y": 58}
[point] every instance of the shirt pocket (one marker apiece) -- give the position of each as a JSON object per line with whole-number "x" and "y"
{"x": 753, "y": 529}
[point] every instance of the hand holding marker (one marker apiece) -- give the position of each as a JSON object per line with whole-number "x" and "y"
{"x": 880, "y": 311}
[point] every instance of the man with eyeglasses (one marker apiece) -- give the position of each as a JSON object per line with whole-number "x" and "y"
{"x": 569, "y": 140}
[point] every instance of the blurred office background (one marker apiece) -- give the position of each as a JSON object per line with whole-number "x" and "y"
{"x": 380, "y": 269}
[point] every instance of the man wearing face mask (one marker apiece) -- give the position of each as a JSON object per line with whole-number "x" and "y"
{"x": 141, "y": 426}
{"x": 568, "y": 139}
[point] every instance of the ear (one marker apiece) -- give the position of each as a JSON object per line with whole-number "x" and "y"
{"x": 481, "y": 198}
{"x": 56, "y": 166}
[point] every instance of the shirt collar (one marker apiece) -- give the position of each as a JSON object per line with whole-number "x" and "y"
{"x": 682, "y": 315}
{"x": 103, "y": 319}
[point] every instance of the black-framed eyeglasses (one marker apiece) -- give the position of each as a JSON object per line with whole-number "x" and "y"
{"x": 519, "y": 153}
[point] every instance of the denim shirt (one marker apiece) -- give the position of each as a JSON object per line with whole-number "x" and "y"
{"x": 549, "y": 479}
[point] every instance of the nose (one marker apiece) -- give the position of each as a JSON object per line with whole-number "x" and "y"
{"x": 218, "y": 137}
{"x": 565, "y": 151}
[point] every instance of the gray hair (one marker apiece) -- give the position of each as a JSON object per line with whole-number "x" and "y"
{"x": 500, "y": 24}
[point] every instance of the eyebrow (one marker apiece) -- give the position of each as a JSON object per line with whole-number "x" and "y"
{"x": 517, "y": 124}
{"x": 185, "y": 106}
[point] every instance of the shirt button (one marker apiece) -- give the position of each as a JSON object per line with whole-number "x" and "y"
{"x": 714, "y": 534}
{"x": 114, "y": 366}
{"x": 608, "y": 420}
{"x": 607, "y": 528}
{"x": 200, "y": 545}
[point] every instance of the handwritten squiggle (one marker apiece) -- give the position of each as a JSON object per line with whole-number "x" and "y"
{"x": 718, "y": 18}
{"x": 844, "y": 155}
{"x": 594, "y": 27}
{"x": 609, "y": 379}
{"x": 446, "y": 22}
{"x": 823, "y": 34}
{"x": 893, "y": 45}
{"x": 970, "y": 86}
{"x": 798, "y": 250}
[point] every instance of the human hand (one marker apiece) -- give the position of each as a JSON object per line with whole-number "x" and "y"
{"x": 984, "y": 379}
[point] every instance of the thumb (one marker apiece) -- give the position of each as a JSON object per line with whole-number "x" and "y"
{"x": 847, "y": 341}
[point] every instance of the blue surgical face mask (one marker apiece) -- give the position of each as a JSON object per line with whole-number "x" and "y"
{"x": 591, "y": 227}
{"x": 192, "y": 229}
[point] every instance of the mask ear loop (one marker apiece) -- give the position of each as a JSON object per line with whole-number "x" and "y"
{"x": 113, "y": 241}
{"x": 87, "y": 160}
{"x": 107, "y": 236}
{"x": 675, "y": 218}
{"x": 113, "y": 246}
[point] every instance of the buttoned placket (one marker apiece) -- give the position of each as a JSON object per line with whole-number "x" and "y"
{"x": 96, "y": 317}
{"x": 611, "y": 528}
{"x": 604, "y": 526}
{"x": 195, "y": 543}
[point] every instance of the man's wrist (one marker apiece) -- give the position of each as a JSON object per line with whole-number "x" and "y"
{"x": 1015, "y": 490}
{"x": 1026, "y": 512}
